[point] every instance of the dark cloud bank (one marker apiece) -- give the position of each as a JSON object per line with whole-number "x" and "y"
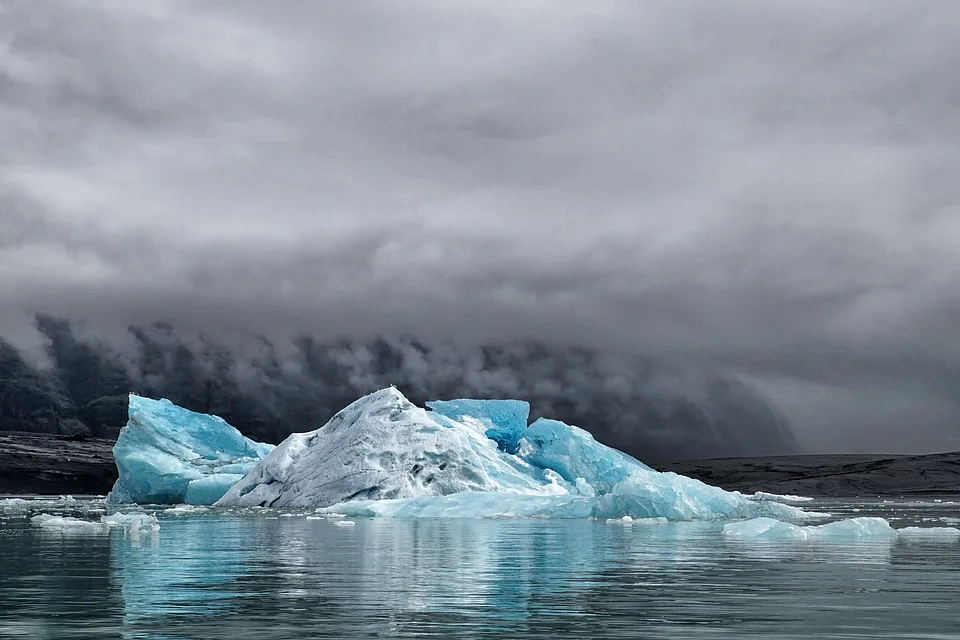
{"x": 636, "y": 202}
{"x": 269, "y": 392}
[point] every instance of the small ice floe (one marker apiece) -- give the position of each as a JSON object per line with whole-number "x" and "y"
{"x": 133, "y": 524}
{"x": 14, "y": 502}
{"x": 184, "y": 509}
{"x": 67, "y": 524}
{"x": 763, "y": 496}
{"x": 858, "y": 529}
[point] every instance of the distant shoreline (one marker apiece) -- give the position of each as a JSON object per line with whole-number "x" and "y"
{"x": 46, "y": 464}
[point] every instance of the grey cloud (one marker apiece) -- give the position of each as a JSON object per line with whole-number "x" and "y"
{"x": 764, "y": 188}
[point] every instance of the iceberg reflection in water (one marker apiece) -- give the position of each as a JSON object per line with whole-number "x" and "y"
{"x": 264, "y": 574}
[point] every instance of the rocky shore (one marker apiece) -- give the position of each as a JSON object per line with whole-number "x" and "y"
{"x": 830, "y": 475}
{"x": 34, "y": 463}
{"x": 38, "y": 463}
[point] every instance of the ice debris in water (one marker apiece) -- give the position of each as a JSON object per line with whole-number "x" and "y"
{"x": 384, "y": 456}
{"x": 503, "y": 421}
{"x": 133, "y": 523}
{"x": 628, "y": 521}
{"x": 167, "y": 455}
{"x": 66, "y": 523}
{"x": 763, "y": 496}
{"x": 861, "y": 529}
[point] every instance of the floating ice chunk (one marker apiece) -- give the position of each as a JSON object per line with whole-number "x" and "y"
{"x": 859, "y": 529}
{"x": 383, "y": 447}
{"x": 133, "y": 523}
{"x": 66, "y": 523}
{"x": 763, "y": 496}
{"x": 185, "y": 509}
{"x": 573, "y": 453}
{"x": 930, "y": 534}
{"x": 168, "y": 455}
{"x": 627, "y": 520}
{"x": 503, "y": 421}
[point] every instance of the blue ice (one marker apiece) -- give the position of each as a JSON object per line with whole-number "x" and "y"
{"x": 168, "y": 455}
{"x": 504, "y": 420}
{"x": 573, "y": 453}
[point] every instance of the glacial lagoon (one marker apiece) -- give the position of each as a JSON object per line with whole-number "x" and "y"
{"x": 240, "y": 573}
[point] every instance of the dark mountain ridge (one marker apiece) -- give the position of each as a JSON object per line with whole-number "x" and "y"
{"x": 648, "y": 409}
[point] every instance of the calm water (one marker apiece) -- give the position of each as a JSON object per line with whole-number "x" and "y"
{"x": 265, "y": 575}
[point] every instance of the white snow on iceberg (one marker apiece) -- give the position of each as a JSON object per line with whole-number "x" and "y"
{"x": 384, "y": 447}
{"x": 168, "y": 455}
{"x": 384, "y": 456}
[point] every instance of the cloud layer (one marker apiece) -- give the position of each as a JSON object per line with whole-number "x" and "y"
{"x": 764, "y": 188}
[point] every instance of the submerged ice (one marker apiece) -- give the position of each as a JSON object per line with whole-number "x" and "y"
{"x": 384, "y": 456}
{"x": 168, "y": 455}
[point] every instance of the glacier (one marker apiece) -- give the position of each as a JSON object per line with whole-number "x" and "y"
{"x": 166, "y": 454}
{"x": 384, "y": 456}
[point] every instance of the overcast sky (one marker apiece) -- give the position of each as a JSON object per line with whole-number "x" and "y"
{"x": 772, "y": 188}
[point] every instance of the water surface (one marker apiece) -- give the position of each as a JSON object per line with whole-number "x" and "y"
{"x": 265, "y": 574}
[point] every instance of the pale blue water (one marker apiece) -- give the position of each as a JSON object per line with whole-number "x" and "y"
{"x": 255, "y": 574}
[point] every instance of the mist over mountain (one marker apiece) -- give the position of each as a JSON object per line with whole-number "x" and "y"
{"x": 269, "y": 388}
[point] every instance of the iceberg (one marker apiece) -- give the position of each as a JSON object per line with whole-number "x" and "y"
{"x": 854, "y": 529}
{"x": 503, "y": 421}
{"x": 384, "y": 456}
{"x": 168, "y": 455}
